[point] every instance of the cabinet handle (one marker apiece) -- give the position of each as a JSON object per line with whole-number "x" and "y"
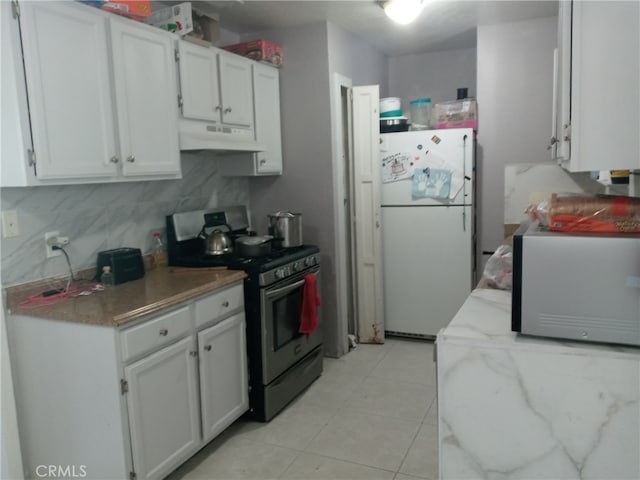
{"x": 263, "y": 161}
{"x": 207, "y": 348}
{"x": 164, "y": 332}
{"x": 218, "y": 108}
{"x": 225, "y": 304}
{"x": 131, "y": 159}
{"x": 552, "y": 142}
{"x": 114, "y": 159}
{"x": 193, "y": 353}
{"x": 227, "y": 110}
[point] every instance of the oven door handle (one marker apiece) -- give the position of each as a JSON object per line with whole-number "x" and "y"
{"x": 286, "y": 289}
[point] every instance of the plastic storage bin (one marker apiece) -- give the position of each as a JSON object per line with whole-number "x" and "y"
{"x": 420, "y": 114}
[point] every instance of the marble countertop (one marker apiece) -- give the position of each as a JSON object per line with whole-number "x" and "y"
{"x": 157, "y": 290}
{"x": 485, "y": 318}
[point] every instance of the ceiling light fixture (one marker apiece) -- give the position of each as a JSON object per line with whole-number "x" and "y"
{"x": 403, "y": 11}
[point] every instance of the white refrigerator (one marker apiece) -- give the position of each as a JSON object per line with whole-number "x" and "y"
{"x": 428, "y": 238}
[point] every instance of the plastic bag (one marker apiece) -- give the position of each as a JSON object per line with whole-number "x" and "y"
{"x": 567, "y": 212}
{"x": 499, "y": 268}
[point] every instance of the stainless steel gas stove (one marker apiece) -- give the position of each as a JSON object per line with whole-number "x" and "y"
{"x": 282, "y": 362}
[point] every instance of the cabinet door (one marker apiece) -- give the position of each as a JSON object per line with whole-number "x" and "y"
{"x": 605, "y": 74}
{"x": 199, "y": 82}
{"x": 163, "y": 409}
{"x": 266, "y": 98}
{"x": 223, "y": 375}
{"x": 147, "y": 99}
{"x": 235, "y": 89}
{"x": 562, "y": 84}
{"x": 65, "y": 48}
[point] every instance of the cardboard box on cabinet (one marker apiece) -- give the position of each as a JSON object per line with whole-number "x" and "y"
{"x": 177, "y": 19}
{"x": 136, "y": 9}
{"x": 260, "y": 50}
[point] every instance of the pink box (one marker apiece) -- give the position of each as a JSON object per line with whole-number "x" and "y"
{"x": 259, "y": 50}
{"x": 457, "y": 114}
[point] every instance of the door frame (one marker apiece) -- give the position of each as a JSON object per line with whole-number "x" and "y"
{"x": 343, "y": 247}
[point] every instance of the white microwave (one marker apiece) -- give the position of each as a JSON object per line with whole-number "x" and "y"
{"x": 576, "y": 286}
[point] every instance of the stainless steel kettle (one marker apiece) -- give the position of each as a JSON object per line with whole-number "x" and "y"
{"x": 216, "y": 243}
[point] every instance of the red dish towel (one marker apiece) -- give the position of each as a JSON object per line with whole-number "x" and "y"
{"x": 310, "y": 304}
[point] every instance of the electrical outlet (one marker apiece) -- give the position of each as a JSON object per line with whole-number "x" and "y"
{"x": 10, "y": 227}
{"x": 50, "y": 239}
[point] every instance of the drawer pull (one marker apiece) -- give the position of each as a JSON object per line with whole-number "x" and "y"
{"x": 225, "y": 304}
{"x": 207, "y": 348}
{"x": 164, "y": 332}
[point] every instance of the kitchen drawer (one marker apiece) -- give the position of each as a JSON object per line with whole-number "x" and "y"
{"x": 218, "y": 305}
{"x": 155, "y": 333}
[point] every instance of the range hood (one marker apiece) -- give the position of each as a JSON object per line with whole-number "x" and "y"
{"x": 196, "y": 135}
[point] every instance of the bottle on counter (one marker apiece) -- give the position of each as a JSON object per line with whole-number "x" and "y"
{"x": 158, "y": 252}
{"x": 106, "y": 277}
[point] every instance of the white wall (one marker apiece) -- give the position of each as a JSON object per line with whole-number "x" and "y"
{"x": 436, "y": 75}
{"x": 514, "y": 81}
{"x": 355, "y": 59}
{"x": 311, "y": 54}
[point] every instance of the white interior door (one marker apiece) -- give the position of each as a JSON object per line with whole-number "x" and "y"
{"x": 365, "y": 137}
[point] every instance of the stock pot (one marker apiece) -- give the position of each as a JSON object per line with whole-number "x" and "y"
{"x": 286, "y": 228}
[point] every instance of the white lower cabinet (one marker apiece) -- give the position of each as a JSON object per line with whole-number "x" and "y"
{"x": 162, "y": 402}
{"x": 221, "y": 365}
{"x": 131, "y": 402}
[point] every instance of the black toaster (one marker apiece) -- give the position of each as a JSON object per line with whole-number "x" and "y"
{"x": 126, "y": 264}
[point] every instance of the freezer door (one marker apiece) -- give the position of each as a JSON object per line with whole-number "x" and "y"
{"x": 427, "y": 265}
{"x": 402, "y": 153}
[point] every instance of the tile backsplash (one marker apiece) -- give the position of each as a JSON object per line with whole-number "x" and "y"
{"x": 104, "y": 216}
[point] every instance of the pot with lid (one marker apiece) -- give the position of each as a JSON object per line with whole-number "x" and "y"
{"x": 286, "y": 228}
{"x": 253, "y": 246}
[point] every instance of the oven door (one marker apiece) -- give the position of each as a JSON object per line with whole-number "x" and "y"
{"x": 282, "y": 345}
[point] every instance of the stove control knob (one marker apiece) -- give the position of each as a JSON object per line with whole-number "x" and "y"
{"x": 312, "y": 260}
{"x": 307, "y": 262}
{"x": 279, "y": 273}
{"x": 296, "y": 266}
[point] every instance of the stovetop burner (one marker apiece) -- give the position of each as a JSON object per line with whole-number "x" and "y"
{"x": 233, "y": 261}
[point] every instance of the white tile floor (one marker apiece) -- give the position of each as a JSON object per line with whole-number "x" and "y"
{"x": 371, "y": 415}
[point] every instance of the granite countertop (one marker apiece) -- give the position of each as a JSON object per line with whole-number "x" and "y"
{"x": 157, "y": 290}
{"x": 485, "y": 319}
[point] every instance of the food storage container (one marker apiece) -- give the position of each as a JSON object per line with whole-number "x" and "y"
{"x": 420, "y": 114}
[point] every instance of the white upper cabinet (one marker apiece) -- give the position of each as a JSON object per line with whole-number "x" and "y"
{"x": 101, "y": 93}
{"x": 266, "y": 101}
{"x": 597, "y": 79}
{"x": 266, "y": 88}
{"x": 215, "y": 86}
{"x": 68, "y": 80}
{"x": 146, "y": 97}
{"x": 199, "y": 82}
{"x": 235, "y": 88}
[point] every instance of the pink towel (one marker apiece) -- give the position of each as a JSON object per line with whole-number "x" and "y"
{"x": 310, "y": 304}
